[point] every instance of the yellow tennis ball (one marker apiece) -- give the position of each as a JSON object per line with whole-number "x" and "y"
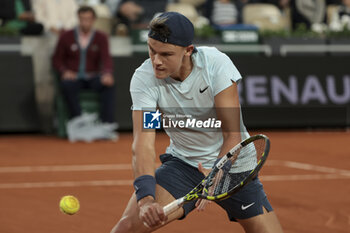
{"x": 69, "y": 205}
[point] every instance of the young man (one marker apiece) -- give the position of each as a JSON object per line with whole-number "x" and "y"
{"x": 180, "y": 77}
{"x": 83, "y": 60}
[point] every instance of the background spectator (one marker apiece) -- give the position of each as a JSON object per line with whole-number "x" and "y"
{"x": 83, "y": 61}
{"x": 209, "y": 8}
{"x": 224, "y": 13}
{"x": 341, "y": 18}
{"x": 113, "y": 5}
{"x": 17, "y": 16}
{"x": 56, "y": 16}
{"x": 138, "y": 12}
{"x": 308, "y": 12}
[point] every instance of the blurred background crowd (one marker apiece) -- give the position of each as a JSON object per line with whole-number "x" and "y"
{"x": 118, "y": 17}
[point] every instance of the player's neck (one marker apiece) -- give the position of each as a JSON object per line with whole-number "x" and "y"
{"x": 184, "y": 71}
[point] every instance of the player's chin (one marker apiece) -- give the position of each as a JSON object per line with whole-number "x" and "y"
{"x": 161, "y": 74}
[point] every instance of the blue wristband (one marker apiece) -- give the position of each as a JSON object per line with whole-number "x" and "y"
{"x": 145, "y": 186}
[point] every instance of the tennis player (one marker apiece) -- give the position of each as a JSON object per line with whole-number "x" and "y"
{"x": 179, "y": 76}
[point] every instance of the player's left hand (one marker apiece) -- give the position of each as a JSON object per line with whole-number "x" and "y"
{"x": 201, "y": 203}
{"x": 107, "y": 80}
{"x": 151, "y": 213}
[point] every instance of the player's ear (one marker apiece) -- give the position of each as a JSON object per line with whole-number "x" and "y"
{"x": 189, "y": 50}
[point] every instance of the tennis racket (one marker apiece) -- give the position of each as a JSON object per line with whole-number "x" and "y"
{"x": 222, "y": 181}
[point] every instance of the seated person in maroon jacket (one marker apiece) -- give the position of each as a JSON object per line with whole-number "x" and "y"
{"x": 82, "y": 58}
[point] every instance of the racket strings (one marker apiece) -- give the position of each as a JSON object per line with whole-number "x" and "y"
{"x": 248, "y": 155}
{"x": 230, "y": 181}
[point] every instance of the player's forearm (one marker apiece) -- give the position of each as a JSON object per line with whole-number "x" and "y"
{"x": 144, "y": 167}
{"x": 143, "y": 160}
{"x": 230, "y": 140}
{"x": 228, "y": 111}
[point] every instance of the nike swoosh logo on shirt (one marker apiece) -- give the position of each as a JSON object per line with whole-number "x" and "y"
{"x": 203, "y": 90}
{"x": 247, "y": 206}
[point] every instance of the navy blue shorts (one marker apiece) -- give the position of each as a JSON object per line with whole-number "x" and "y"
{"x": 178, "y": 178}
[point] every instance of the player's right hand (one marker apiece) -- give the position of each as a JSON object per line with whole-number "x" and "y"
{"x": 151, "y": 213}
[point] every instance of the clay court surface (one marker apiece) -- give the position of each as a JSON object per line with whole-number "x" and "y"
{"x": 307, "y": 179}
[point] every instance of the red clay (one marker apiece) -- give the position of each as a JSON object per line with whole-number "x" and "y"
{"x": 303, "y": 206}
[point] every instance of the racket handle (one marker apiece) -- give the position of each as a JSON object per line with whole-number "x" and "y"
{"x": 173, "y": 206}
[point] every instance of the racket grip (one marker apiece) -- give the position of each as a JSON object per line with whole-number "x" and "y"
{"x": 173, "y": 206}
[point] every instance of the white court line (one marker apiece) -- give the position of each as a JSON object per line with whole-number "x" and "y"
{"x": 302, "y": 177}
{"x": 66, "y": 168}
{"x": 112, "y": 167}
{"x": 308, "y": 167}
{"x": 333, "y": 173}
{"x": 90, "y": 183}
{"x": 67, "y": 184}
